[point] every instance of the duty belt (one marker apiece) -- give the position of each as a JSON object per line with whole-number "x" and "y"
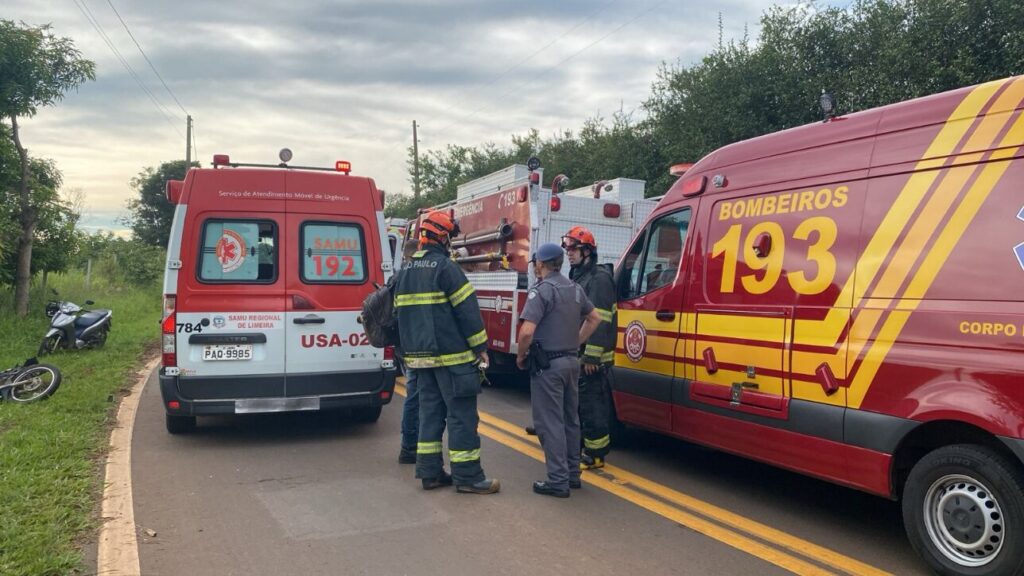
{"x": 561, "y": 353}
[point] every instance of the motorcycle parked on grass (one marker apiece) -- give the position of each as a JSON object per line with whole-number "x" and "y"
{"x": 29, "y": 382}
{"x": 73, "y": 327}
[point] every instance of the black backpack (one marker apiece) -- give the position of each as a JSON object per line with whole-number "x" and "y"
{"x": 380, "y": 323}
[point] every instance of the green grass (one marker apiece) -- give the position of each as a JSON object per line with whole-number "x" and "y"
{"x": 51, "y": 451}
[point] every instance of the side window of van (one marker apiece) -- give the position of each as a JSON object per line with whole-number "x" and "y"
{"x": 653, "y": 260}
{"x": 333, "y": 253}
{"x": 238, "y": 251}
{"x": 629, "y": 272}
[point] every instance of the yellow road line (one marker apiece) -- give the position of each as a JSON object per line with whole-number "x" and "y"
{"x": 632, "y": 488}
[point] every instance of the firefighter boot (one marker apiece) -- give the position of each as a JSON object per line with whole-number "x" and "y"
{"x": 444, "y": 479}
{"x": 588, "y": 462}
{"x": 407, "y": 456}
{"x": 486, "y": 486}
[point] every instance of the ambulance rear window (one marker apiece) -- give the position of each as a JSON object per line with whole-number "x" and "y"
{"x": 238, "y": 251}
{"x": 333, "y": 253}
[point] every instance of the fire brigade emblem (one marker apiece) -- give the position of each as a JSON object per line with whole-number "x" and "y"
{"x": 635, "y": 340}
{"x": 231, "y": 251}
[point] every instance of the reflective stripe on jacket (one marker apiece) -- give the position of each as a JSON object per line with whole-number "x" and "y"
{"x": 438, "y": 315}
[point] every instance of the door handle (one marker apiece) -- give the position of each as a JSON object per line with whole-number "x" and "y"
{"x": 309, "y": 319}
{"x": 665, "y": 315}
{"x": 709, "y": 361}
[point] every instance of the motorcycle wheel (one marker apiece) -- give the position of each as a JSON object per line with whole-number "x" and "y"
{"x": 100, "y": 339}
{"x": 34, "y": 383}
{"x": 49, "y": 345}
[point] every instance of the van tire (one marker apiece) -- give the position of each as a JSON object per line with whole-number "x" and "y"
{"x": 366, "y": 415}
{"x": 180, "y": 424}
{"x": 969, "y": 494}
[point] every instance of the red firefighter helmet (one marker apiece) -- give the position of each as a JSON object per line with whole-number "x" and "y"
{"x": 440, "y": 225}
{"x": 579, "y": 235}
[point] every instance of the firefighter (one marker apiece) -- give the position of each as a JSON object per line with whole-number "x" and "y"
{"x": 552, "y": 317}
{"x": 444, "y": 341}
{"x": 598, "y": 354}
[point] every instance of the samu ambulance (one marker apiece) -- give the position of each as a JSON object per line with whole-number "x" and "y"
{"x": 267, "y": 269}
{"x": 846, "y": 300}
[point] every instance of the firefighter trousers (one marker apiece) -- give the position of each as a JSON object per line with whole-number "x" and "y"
{"x": 448, "y": 395}
{"x": 595, "y": 412}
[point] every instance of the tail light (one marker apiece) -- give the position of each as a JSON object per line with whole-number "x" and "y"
{"x": 389, "y": 358}
{"x": 556, "y": 203}
{"x": 168, "y": 338}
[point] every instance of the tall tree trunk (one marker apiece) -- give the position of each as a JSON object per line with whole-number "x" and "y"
{"x": 27, "y": 220}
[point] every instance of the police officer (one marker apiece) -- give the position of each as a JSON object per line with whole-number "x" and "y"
{"x": 443, "y": 340}
{"x": 599, "y": 350}
{"x": 554, "y": 311}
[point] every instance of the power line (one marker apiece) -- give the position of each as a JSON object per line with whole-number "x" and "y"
{"x": 522, "y": 62}
{"x": 551, "y": 43}
{"x": 84, "y": 8}
{"x": 551, "y": 68}
{"x": 141, "y": 51}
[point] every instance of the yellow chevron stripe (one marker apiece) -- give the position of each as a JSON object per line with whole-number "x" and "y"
{"x": 933, "y": 263}
{"x": 897, "y": 218}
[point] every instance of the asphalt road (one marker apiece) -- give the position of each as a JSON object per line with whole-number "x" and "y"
{"x": 313, "y": 494}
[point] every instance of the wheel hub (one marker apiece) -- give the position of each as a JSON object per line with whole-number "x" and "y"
{"x": 964, "y": 520}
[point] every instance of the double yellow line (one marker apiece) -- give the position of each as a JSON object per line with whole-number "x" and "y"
{"x": 780, "y": 548}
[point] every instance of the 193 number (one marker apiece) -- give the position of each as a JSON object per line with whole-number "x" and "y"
{"x": 822, "y": 229}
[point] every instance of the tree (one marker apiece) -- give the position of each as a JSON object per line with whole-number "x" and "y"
{"x": 36, "y": 69}
{"x": 150, "y": 213}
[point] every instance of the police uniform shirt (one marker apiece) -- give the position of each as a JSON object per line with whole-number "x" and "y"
{"x": 557, "y": 306}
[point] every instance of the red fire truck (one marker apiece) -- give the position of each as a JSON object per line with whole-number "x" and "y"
{"x": 504, "y": 216}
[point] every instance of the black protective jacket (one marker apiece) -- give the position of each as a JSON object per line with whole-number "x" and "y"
{"x": 438, "y": 314}
{"x": 600, "y": 289}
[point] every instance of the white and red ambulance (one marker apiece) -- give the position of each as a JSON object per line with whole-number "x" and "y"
{"x": 267, "y": 269}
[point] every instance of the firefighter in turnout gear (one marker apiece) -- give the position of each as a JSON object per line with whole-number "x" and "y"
{"x": 598, "y": 354}
{"x": 444, "y": 341}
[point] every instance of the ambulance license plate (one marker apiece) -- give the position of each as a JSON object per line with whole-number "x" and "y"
{"x": 227, "y": 352}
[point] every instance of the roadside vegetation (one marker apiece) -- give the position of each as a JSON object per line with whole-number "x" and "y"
{"x": 51, "y": 451}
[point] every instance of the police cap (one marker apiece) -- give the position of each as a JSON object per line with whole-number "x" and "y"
{"x": 547, "y": 252}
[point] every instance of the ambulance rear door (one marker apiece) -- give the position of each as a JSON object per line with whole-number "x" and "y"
{"x": 330, "y": 274}
{"x": 230, "y": 301}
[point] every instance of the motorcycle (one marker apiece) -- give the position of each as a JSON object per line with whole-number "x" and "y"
{"x": 73, "y": 327}
{"x": 29, "y": 382}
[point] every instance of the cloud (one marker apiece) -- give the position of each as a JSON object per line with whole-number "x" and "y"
{"x": 345, "y": 79}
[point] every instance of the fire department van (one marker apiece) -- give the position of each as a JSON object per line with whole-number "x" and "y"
{"x": 505, "y": 215}
{"x": 267, "y": 269}
{"x": 844, "y": 299}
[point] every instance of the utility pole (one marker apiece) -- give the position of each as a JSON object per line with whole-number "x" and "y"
{"x": 415, "y": 163}
{"x": 188, "y": 142}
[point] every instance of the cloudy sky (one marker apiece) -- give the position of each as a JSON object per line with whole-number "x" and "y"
{"x": 337, "y": 79}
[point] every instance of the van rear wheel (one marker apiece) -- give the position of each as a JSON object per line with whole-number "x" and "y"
{"x": 180, "y": 424}
{"x": 963, "y": 510}
{"x": 366, "y": 415}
